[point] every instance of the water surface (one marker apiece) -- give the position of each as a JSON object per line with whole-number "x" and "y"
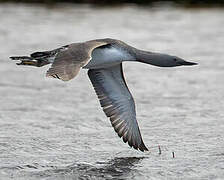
{"x": 55, "y": 130}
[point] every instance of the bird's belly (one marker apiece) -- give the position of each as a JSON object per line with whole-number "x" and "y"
{"x": 106, "y": 57}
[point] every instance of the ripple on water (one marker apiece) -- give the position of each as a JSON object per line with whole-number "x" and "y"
{"x": 55, "y": 130}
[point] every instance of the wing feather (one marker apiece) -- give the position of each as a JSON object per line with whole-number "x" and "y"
{"x": 68, "y": 63}
{"x": 117, "y": 103}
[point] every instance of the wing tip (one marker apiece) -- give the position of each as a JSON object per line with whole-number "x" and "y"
{"x": 126, "y": 139}
{"x": 141, "y": 146}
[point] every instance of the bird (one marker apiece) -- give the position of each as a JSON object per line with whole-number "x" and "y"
{"x": 103, "y": 58}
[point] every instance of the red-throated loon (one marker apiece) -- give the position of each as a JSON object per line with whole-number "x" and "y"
{"x": 103, "y": 58}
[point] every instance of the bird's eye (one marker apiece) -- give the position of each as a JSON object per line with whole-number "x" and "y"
{"x": 175, "y": 59}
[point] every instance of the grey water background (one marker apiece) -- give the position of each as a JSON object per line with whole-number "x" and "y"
{"x": 50, "y": 129}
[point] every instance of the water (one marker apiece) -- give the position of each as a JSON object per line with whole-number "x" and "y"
{"x": 56, "y": 130}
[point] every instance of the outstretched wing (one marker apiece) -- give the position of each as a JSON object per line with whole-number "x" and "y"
{"x": 69, "y": 61}
{"x": 117, "y": 103}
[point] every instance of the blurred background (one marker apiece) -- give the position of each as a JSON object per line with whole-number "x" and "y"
{"x": 55, "y": 130}
{"x": 109, "y": 2}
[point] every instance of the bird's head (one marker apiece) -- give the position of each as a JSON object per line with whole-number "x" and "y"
{"x": 172, "y": 61}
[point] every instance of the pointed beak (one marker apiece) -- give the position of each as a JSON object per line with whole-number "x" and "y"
{"x": 187, "y": 63}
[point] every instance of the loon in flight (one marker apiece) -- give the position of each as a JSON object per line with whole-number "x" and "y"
{"x": 103, "y": 58}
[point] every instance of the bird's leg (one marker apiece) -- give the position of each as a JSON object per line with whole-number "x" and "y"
{"x": 29, "y": 61}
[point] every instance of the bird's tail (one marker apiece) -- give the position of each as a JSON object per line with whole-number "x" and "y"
{"x": 21, "y": 58}
{"x": 37, "y": 59}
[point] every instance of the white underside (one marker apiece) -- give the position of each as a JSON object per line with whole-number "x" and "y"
{"x": 107, "y": 57}
{"x": 51, "y": 59}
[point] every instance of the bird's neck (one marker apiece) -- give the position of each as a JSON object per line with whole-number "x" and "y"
{"x": 149, "y": 58}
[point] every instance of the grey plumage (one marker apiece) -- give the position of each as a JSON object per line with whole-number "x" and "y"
{"x": 117, "y": 103}
{"x": 103, "y": 58}
{"x": 68, "y": 63}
